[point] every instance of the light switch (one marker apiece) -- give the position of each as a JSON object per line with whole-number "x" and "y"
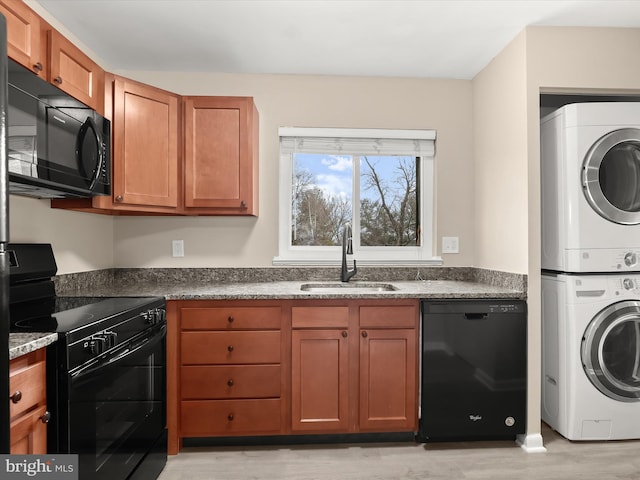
{"x": 450, "y": 245}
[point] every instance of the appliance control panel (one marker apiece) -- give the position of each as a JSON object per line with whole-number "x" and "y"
{"x": 505, "y": 308}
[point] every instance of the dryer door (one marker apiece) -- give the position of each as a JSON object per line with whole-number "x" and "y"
{"x": 611, "y": 351}
{"x": 611, "y": 176}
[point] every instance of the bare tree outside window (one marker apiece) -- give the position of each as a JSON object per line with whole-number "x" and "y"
{"x": 322, "y": 199}
{"x": 388, "y": 205}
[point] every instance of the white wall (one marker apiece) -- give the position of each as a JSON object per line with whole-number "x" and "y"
{"x": 81, "y": 241}
{"x": 500, "y": 156}
{"x": 314, "y": 101}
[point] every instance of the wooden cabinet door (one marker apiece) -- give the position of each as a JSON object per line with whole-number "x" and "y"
{"x": 221, "y": 155}
{"x": 388, "y": 380}
{"x": 145, "y": 151}
{"x": 74, "y": 72}
{"x": 320, "y": 379}
{"x": 27, "y": 407}
{"x": 29, "y": 433}
{"x": 25, "y": 44}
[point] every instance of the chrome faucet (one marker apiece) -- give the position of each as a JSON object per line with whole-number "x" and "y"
{"x": 347, "y": 249}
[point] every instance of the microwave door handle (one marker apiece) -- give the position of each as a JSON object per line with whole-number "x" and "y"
{"x": 89, "y": 124}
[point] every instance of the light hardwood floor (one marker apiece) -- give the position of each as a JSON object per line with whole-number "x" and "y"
{"x": 564, "y": 460}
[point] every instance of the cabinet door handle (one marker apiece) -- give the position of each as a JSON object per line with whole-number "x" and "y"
{"x": 230, "y": 382}
{"x": 230, "y": 319}
{"x": 46, "y": 417}
{"x": 344, "y": 334}
{"x": 37, "y": 66}
{"x": 364, "y": 334}
{"x": 16, "y": 397}
{"x": 118, "y": 198}
{"x": 230, "y": 348}
{"x": 230, "y": 417}
{"x": 58, "y": 80}
{"x": 243, "y": 204}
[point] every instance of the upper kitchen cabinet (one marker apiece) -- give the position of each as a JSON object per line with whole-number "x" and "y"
{"x": 202, "y": 160}
{"x": 33, "y": 43}
{"x": 75, "y": 73}
{"x": 145, "y": 155}
{"x": 26, "y": 43}
{"x": 145, "y": 161}
{"x": 220, "y": 156}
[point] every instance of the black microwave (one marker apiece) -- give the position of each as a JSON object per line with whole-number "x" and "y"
{"x": 57, "y": 147}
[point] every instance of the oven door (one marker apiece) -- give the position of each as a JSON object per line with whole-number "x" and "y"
{"x": 117, "y": 407}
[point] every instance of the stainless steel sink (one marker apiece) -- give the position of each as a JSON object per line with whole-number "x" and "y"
{"x": 346, "y": 287}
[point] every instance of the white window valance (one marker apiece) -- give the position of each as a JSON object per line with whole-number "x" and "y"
{"x": 356, "y": 141}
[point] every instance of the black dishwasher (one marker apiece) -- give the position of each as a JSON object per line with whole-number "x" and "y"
{"x": 474, "y": 370}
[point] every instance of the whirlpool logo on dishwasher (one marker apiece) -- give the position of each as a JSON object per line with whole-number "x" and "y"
{"x": 51, "y": 467}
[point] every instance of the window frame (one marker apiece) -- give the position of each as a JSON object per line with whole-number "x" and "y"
{"x": 423, "y": 254}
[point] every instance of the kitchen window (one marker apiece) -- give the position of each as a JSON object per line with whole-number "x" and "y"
{"x": 379, "y": 181}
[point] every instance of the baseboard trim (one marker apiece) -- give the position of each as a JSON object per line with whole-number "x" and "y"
{"x": 531, "y": 443}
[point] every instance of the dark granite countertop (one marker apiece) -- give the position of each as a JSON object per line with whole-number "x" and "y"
{"x": 288, "y": 290}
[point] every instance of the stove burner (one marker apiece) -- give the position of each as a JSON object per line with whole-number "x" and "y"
{"x": 41, "y": 324}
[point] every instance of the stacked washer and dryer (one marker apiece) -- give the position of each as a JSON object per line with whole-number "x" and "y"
{"x": 591, "y": 270}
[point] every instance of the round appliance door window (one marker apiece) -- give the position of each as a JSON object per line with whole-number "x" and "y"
{"x": 611, "y": 176}
{"x": 611, "y": 351}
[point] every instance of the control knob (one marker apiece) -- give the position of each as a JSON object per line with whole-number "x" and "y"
{"x": 628, "y": 284}
{"x": 101, "y": 342}
{"x": 630, "y": 259}
{"x": 154, "y": 316}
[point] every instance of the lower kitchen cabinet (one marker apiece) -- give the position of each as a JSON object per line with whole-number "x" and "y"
{"x": 289, "y": 367}
{"x": 388, "y": 380}
{"x": 228, "y": 378}
{"x": 319, "y": 381}
{"x": 354, "y": 367}
{"x": 28, "y": 404}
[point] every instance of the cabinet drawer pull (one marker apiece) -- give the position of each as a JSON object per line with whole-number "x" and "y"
{"x": 344, "y": 334}
{"x": 46, "y": 417}
{"x": 230, "y": 319}
{"x": 230, "y": 382}
{"x": 230, "y": 348}
{"x": 37, "y": 67}
{"x": 364, "y": 334}
{"x": 58, "y": 80}
{"x": 230, "y": 417}
{"x": 16, "y": 397}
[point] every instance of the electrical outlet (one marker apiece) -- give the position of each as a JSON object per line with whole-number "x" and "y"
{"x": 178, "y": 248}
{"x": 450, "y": 245}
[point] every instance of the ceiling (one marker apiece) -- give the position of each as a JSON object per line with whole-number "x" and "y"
{"x": 400, "y": 38}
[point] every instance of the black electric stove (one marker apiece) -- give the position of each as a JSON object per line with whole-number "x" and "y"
{"x": 106, "y": 373}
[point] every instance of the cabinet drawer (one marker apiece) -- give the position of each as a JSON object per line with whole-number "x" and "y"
{"x": 29, "y": 433}
{"x": 402, "y": 316}
{"x": 230, "y": 347}
{"x": 30, "y": 382}
{"x": 230, "y": 417}
{"x": 231, "y": 318}
{"x": 222, "y": 381}
{"x": 320, "y": 317}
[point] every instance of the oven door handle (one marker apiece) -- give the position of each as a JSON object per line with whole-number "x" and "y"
{"x": 113, "y": 359}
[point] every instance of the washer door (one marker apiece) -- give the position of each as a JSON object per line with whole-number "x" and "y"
{"x": 611, "y": 351}
{"x": 611, "y": 176}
